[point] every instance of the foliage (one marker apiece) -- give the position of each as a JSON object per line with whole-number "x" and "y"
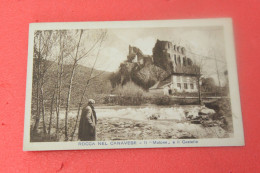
{"x": 167, "y": 100}
{"x": 164, "y": 100}
{"x": 223, "y": 112}
{"x": 208, "y": 85}
{"x": 98, "y": 85}
{"x": 143, "y": 76}
{"x": 129, "y": 94}
{"x": 221, "y": 106}
{"x": 128, "y": 89}
{"x": 115, "y": 79}
{"x": 58, "y": 79}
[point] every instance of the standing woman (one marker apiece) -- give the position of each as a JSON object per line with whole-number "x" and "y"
{"x": 88, "y": 121}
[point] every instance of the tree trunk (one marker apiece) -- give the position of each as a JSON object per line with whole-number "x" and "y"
{"x": 73, "y": 132}
{"x": 57, "y": 105}
{"x": 51, "y": 112}
{"x": 58, "y": 97}
{"x": 70, "y": 87}
{"x": 59, "y": 84}
{"x": 79, "y": 107}
{"x": 84, "y": 91}
{"x": 68, "y": 101}
{"x": 43, "y": 111}
{"x": 36, "y": 124}
{"x": 199, "y": 90}
{"x": 219, "y": 83}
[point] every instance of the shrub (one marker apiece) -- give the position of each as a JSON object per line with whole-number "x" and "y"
{"x": 188, "y": 102}
{"x": 129, "y": 89}
{"x": 164, "y": 100}
{"x": 221, "y": 106}
{"x": 223, "y": 112}
{"x": 128, "y": 94}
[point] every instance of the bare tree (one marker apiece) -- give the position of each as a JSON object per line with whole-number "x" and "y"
{"x": 37, "y": 52}
{"x": 46, "y": 66}
{"x": 201, "y": 62}
{"x": 102, "y": 37}
{"x": 197, "y": 69}
{"x": 59, "y": 74}
{"x": 81, "y": 51}
{"x": 55, "y": 48}
{"x": 51, "y": 112}
{"x": 42, "y": 45}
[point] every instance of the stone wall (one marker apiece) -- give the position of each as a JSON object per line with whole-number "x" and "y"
{"x": 172, "y": 58}
{"x": 136, "y": 55}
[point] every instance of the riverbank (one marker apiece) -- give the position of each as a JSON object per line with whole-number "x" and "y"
{"x": 135, "y": 123}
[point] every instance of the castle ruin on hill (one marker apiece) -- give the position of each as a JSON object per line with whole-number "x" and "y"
{"x": 183, "y": 73}
{"x": 135, "y": 55}
{"x": 173, "y": 59}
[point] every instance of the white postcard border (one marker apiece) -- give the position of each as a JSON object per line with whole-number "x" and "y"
{"x": 236, "y": 140}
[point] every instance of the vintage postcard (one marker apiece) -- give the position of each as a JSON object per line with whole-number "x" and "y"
{"x": 132, "y": 84}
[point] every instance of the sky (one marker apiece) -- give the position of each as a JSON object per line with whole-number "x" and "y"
{"x": 201, "y": 41}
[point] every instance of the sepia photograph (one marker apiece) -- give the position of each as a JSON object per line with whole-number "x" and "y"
{"x": 136, "y": 84}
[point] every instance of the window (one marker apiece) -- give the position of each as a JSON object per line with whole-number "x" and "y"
{"x": 192, "y": 86}
{"x": 189, "y": 61}
{"x": 179, "y": 59}
{"x": 183, "y": 50}
{"x": 184, "y": 61}
{"x": 185, "y": 86}
{"x": 179, "y": 85}
{"x": 175, "y": 59}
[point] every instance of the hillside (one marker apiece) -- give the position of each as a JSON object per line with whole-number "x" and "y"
{"x": 97, "y": 86}
{"x": 146, "y": 70}
{"x": 143, "y": 76}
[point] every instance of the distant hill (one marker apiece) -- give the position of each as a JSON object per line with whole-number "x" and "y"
{"x": 97, "y": 86}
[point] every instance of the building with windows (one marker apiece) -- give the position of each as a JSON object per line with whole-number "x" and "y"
{"x": 176, "y": 83}
{"x": 183, "y": 72}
